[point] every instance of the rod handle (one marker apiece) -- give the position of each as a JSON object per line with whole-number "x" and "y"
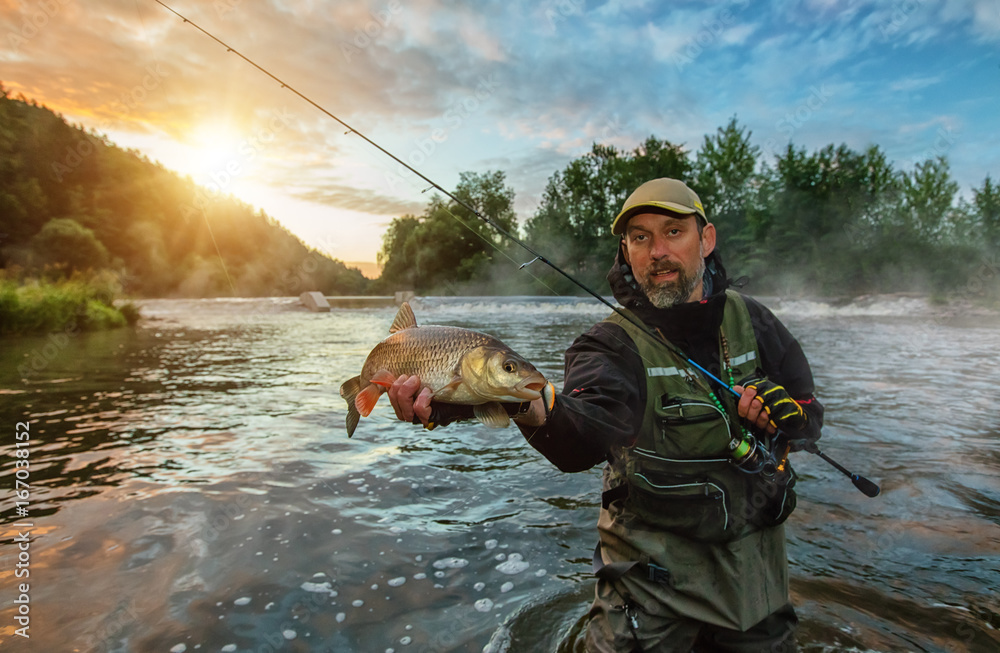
{"x": 867, "y": 487}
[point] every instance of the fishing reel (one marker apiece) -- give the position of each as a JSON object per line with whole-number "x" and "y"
{"x": 752, "y": 457}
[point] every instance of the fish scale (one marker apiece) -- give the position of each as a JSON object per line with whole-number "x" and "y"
{"x": 433, "y": 353}
{"x": 459, "y": 366}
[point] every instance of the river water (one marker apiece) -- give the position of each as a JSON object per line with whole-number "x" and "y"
{"x": 192, "y": 488}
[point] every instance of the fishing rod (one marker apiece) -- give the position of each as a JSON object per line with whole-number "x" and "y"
{"x": 867, "y": 487}
{"x": 433, "y": 184}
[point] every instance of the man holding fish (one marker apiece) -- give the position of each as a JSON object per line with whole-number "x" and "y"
{"x": 697, "y": 483}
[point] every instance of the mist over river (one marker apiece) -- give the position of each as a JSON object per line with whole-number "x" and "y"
{"x": 192, "y": 488}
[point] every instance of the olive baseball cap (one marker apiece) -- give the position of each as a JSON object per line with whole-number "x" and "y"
{"x": 657, "y": 195}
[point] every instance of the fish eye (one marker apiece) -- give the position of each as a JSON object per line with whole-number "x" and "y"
{"x": 509, "y": 366}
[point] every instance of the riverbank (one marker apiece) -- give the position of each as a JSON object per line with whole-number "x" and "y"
{"x": 93, "y": 303}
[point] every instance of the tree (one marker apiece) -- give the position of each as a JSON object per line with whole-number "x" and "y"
{"x": 573, "y": 222}
{"x": 66, "y": 241}
{"x": 727, "y": 182}
{"x": 448, "y": 246}
{"x": 928, "y": 195}
{"x": 124, "y": 207}
{"x": 987, "y": 203}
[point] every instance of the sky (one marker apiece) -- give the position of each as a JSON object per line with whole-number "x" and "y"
{"x": 518, "y": 86}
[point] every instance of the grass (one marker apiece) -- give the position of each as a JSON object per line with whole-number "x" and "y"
{"x": 84, "y": 302}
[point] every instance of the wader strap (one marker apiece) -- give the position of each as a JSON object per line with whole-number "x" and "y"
{"x": 615, "y": 570}
{"x": 611, "y": 572}
{"x": 614, "y": 494}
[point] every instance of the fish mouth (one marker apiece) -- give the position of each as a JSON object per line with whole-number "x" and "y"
{"x": 530, "y": 389}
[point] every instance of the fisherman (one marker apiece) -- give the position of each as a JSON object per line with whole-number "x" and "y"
{"x": 691, "y": 552}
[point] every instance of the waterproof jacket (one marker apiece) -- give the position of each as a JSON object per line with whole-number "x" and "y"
{"x": 733, "y": 584}
{"x": 604, "y": 393}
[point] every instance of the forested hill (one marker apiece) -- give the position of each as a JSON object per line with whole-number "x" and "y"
{"x": 71, "y": 199}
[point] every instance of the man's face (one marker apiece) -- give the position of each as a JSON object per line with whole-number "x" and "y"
{"x": 667, "y": 256}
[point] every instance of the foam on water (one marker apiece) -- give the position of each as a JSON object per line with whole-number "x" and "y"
{"x": 226, "y": 433}
{"x": 514, "y": 565}
{"x": 451, "y": 563}
{"x": 867, "y": 306}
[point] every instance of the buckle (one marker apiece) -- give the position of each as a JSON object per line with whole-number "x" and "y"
{"x": 658, "y": 574}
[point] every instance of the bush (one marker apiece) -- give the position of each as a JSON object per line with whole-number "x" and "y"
{"x": 86, "y": 303}
{"x": 65, "y": 241}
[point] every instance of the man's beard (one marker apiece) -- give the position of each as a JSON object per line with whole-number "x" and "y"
{"x": 672, "y": 293}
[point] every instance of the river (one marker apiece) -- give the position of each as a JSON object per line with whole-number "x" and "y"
{"x": 192, "y": 488}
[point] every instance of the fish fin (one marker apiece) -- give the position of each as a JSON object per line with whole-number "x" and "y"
{"x": 492, "y": 415}
{"x": 404, "y": 319}
{"x": 353, "y": 417}
{"x": 367, "y": 398}
{"x": 451, "y": 387}
{"x": 384, "y": 378}
{"x": 349, "y": 391}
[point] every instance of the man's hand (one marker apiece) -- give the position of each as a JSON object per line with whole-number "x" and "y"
{"x": 412, "y": 403}
{"x": 410, "y": 400}
{"x": 768, "y": 406}
{"x": 538, "y": 410}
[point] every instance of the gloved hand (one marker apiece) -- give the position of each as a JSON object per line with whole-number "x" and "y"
{"x": 782, "y": 412}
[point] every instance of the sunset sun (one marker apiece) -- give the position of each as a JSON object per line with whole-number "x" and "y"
{"x": 213, "y": 153}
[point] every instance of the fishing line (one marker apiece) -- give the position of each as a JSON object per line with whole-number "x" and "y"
{"x": 432, "y": 184}
{"x": 204, "y": 214}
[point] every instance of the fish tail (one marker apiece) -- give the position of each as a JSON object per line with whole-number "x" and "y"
{"x": 349, "y": 391}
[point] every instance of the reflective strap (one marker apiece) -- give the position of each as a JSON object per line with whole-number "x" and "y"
{"x": 739, "y": 360}
{"x": 662, "y": 371}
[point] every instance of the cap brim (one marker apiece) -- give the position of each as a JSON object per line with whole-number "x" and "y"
{"x": 618, "y": 224}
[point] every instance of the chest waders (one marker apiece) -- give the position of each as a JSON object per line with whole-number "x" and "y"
{"x": 680, "y": 474}
{"x": 684, "y": 529}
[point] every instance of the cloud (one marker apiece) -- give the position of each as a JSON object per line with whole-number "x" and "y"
{"x": 562, "y": 75}
{"x": 948, "y": 123}
{"x": 910, "y": 84}
{"x": 356, "y": 199}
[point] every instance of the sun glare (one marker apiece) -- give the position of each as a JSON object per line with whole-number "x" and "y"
{"x": 214, "y": 154}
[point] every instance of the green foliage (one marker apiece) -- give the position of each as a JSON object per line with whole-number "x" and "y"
{"x": 727, "y": 182}
{"x": 448, "y": 248}
{"x": 834, "y": 221}
{"x": 72, "y": 200}
{"x": 987, "y": 204}
{"x": 64, "y": 240}
{"x": 77, "y": 303}
{"x": 572, "y": 226}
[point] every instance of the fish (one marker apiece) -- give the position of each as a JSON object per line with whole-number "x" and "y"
{"x": 460, "y": 366}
